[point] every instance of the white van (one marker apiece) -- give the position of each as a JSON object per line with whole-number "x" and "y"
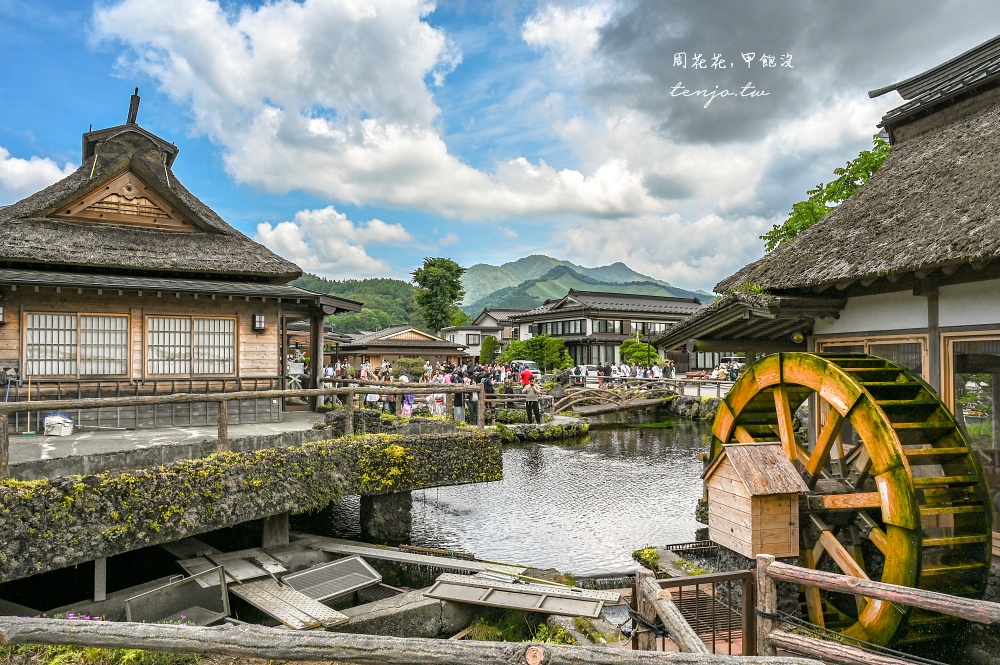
{"x": 530, "y": 364}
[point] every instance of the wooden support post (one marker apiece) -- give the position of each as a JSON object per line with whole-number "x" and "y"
{"x": 316, "y": 324}
{"x": 275, "y": 531}
{"x": 680, "y": 630}
{"x": 223, "y": 419}
{"x": 349, "y": 414}
{"x": 100, "y": 579}
{"x": 4, "y": 445}
{"x": 767, "y": 606}
{"x": 646, "y": 608}
{"x": 449, "y": 406}
{"x": 481, "y": 410}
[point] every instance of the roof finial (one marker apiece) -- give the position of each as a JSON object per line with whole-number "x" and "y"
{"x": 133, "y": 107}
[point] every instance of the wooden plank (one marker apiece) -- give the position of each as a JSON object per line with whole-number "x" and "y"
{"x": 852, "y": 501}
{"x": 840, "y": 555}
{"x": 785, "y": 427}
{"x": 831, "y": 652}
{"x": 334, "y": 547}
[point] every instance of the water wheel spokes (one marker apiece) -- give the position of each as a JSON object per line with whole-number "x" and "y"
{"x": 896, "y": 493}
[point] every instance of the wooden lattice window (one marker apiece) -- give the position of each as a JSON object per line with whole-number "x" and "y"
{"x": 76, "y": 344}
{"x": 184, "y": 345}
{"x": 51, "y": 344}
{"x": 214, "y": 346}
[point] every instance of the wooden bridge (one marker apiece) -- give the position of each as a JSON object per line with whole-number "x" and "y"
{"x": 622, "y": 394}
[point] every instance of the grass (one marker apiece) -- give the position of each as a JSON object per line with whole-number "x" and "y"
{"x": 31, "y": 654}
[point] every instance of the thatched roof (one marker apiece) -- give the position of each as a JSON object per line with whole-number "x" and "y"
{"x": 30, "y": 235}
{"x": 934, "y": 203}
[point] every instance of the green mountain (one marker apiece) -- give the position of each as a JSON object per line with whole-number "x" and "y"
{"x": 559, "y": 280}
{"x": 387, "y": 302}
{"x": 483, "y": 279}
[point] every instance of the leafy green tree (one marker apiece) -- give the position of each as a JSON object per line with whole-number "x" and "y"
{"x": 548, "y": 352}
{"x": 824, "y": 198}
{"x": 488, "y": 351}
{"x": 439, "y": 289}
{"x": 411, "y": 367}
{"x": 639, "y": 353}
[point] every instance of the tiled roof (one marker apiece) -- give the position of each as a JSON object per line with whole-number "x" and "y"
{"x": 976, "y": 68}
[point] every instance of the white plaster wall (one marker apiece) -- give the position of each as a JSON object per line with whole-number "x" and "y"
{"x": 900, "y": 310}
{"x": 971, "y": 304}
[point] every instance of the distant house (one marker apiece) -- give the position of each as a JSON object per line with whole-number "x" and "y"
{"x": 398, "y": 342}
{"x": 594, "y": 324}
{"x": 117, "y": 280}
{"x": 491, "y": 322}
{"x": 908, "y": 268}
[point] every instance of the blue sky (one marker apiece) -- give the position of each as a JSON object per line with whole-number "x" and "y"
{"x": 356, "y": 137}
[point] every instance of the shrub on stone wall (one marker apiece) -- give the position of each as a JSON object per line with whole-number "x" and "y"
{"x": 47, "y": 524}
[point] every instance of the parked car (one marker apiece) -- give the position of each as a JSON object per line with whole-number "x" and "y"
{"x": 530, "y": 364}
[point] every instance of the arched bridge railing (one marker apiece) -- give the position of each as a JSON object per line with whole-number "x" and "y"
{"x": 624, "y": 391}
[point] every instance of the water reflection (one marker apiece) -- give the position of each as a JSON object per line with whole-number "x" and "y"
{"x": 580, "y": 508}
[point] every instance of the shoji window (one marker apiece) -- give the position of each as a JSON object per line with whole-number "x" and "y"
{"x": 169, "y": 345}
{"x": 181, "y": 345}
{"x": 51, "y": 344}
{"x": 103, "y": 344}
{"x": 214, "y": 346}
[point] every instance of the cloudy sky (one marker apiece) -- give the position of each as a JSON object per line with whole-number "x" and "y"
{"x": 356, "y": 137}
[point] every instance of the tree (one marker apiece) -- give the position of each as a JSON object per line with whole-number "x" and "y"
{"x": 824, "y": 198}
{"x": 548, "y": 352}
{"x": 439, "y": 288}
{"x": 488, "y": 351}
{"x": 639, "y": 353}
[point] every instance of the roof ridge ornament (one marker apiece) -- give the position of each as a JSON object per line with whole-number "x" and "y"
{"x": 133, "y": 108}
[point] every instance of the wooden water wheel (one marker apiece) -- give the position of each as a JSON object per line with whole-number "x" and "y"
{"x": 897, "y": 494}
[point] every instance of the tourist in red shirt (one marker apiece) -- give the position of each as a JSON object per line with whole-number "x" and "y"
{"x": 525, "y": 376}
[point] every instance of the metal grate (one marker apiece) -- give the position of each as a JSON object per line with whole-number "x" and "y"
{"x": 185, "y": 601}
{"x": 337, "y": 578}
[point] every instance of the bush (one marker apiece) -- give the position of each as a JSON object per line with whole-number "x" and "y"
{"x": 413, "y": 368}
{"x": 512, "y": 417}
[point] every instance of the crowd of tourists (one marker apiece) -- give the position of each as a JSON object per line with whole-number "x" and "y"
{"x": 496, "y": 378}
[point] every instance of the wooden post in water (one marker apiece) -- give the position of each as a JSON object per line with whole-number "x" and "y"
{"x": 222, "y": 444}
{"x": 767, "y": 606}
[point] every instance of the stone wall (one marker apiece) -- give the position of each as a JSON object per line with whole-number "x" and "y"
{"x": 53, "y": 523}
{"x": 694, "y": 408}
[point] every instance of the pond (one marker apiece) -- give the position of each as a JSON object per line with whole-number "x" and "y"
{"x": 582, "y": 507}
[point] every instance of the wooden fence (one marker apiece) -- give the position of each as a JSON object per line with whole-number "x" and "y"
{"x": 348, "y": 393}
{"x": 771, "y": 636}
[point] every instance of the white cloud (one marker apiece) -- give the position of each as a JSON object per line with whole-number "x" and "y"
{"x": 327, "y": 243}
{"x": 689, "y": 254}
{"x": 448, "y": 239}
{"x": 21, "y": 177}
{"x": 332, "y": 96}
{"x": 568, "y": 34}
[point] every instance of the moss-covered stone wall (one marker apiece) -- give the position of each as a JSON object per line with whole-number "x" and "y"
{"x": 49, "y": 524}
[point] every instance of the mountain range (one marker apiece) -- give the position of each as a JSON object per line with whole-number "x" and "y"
{"x": 522, "y": 284}
{"x": 528, "y": 282}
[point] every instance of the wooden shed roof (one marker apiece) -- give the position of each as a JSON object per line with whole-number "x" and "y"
{"x": 763, "y": 468}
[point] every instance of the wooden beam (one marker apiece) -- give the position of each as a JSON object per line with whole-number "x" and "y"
{"x": 644, "y": 639}
{"x": 824, "y": 444}
{"x": 786, "y": 429}
{"x": 680, "y": 630}
{"x": 756, "y": 345}
{"x": 852, "y": 501}
{"x": 262, "y": 642}
{"x": 767, "y": 605}
{"x": 840, "y": 555}
{"x": 830, "y": 651}
{"x": 980, "y": 611}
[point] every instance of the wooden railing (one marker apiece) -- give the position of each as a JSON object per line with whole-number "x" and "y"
{"x": 771, "y": 636}
{"x": 347, "y": 393}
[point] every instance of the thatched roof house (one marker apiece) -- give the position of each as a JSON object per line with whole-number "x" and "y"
{"x": 118, "y": 275}
{"x": 925, "y": 227}
{"x": 124, "y": 210}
